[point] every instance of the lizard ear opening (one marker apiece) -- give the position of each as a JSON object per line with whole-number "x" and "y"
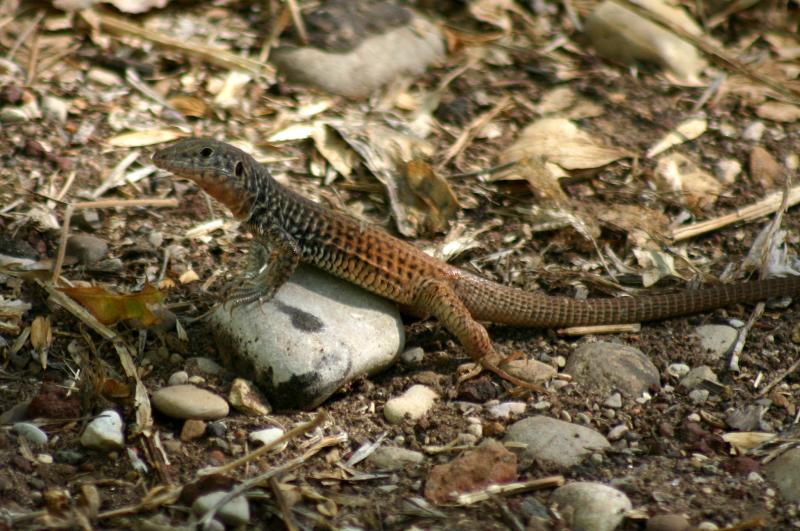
{"x": 206, "y": 152}
{"x": 238, "y": 170}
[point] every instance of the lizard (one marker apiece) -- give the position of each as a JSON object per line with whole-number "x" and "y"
{"x": 292, "y": 229}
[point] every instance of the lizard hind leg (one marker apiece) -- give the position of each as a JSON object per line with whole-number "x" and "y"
{"x": 439, "y": 298}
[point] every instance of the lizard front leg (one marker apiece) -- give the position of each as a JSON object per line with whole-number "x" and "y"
{"x": 439, "y": 299}
{"x": 274, "y": 257}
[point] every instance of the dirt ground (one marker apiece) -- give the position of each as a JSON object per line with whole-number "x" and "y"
{"x": 665, "y": 463}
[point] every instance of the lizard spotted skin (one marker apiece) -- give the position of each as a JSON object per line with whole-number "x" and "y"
{"x": 292, "y": 229}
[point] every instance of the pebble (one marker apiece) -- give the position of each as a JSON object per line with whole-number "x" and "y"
{"x": 668, "y": 522}
{"x": 192, "y": 429}
{"x": 717, "y": 340}
{"x": 554, "y": 441}
{"x": 267, "y": 436}
{"x": 244, "y": 397}
{"x": 413, "y": 404}
{"x": 507, "y": 410}
{"x": 16, "y": 413}
{"x": 86, "y": 249}
{"x": 698, "y": 396}
{"x": 754, "y": 131}
{"x": 617, "y": 432}
{"x": 217, "y": 429}
{"x": 189, "y": 402}
{"x": 317, "y": 334}
{"x": 746, "y": 418}
{"x": 784, "y": 473}
{"x": 727, "y": 170}
{"x": 595, "y": 506}
{"x": 678, "y": 370}
{"x": 205, "y": 365}
{"x": 31, "y": 433}
{"x": 178, "y": 378}
{"x": 413, "y": 356}
{"x": 606, "y": 367}
{"x": 394, "y": 458}
{"x": 369, "y": 63}
{"x": 697, "y": 375}
{"x": 488, "y": 464}
{"x": 54, "y": 108}
{"x": 105, "y": 432}
{"x": 614, "y": 401}
{"x": 236, "y": 512}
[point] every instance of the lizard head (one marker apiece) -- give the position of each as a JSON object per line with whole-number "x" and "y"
{"x": 226, "y": 173}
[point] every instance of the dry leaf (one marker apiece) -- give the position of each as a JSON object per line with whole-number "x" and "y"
{"x": 742, "y": 441}
{"x": 656, "y": 265}
{"x": 148, "y": 137}
{"x": 334, "y": 149}
{"x": 684, "y": 132}
{"x": 696, "y": 188}
{"x": 230, "y": 95}
{"x": 41, "y": 333}
{"x": 189, "y": 106}
{"x": 494, "y": 12}
{"x": 434, "y": 191}
{"x": 559, "y": 140}
{"x": 568, "y": 104}
{"x": 110, "y": 308}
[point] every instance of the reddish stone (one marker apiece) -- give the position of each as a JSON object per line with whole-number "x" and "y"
{"x": 488, "y": 464}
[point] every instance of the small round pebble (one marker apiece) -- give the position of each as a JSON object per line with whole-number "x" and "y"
{"x": 236, "y": 512}
{"x": 190, "y": 402}
{"x": 267, "y": 436}
{"x": 394, "y": 458}
{"x": 31, "y": 433}
{"x": 104, "y": 433}
{"x": 413, "y": 356}
{"x": 412, "y": 404}
{"x": 178, "y": 378}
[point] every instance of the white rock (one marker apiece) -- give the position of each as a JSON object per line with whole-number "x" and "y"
{"x": 33, "y": 434}
{"x": 554, "y": 441}
{"x": 784, "y": 472}
{"x": 413, "y": 356}
{"x": 507, "y": 409}
{"x": 614, "y": 401}
{"x": 178, "y": 378}
{"x": 595, "y": 506}
{"x": 267, "y": 436}
{"x": 104, "y": 433}
{"x": 317, "y": 334}
{"x": 605, "y": 367}
{"x": 716, "y": 339}
{"x": 189, "y": 402}
{"x": 235, "y": 512}
{"x": 754, "y": 131}
{"x": 394, "y": 457}
{"x": 678, "y": 370}
{"x": 414, "y": 403}
{"x": 697, "y": 375}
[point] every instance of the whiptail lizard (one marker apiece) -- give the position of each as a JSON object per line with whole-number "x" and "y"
{"x": 293, "y": 229}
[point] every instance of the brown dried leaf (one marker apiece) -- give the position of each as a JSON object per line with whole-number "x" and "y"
{"x": 696, "y": 188}
{"x": 434, "y": 191}
{"x": 41, "y": 333}
{"x": 189, "y": 106}
{"x": 148, "y": 137}
{"x": 109, "y": 308}
{"x": 559, "y": 140}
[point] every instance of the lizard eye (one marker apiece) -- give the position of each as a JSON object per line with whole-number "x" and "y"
{"x": 238, "y": 170}
{"x": 206, "y": 152}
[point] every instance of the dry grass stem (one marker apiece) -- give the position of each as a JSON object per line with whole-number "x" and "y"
{"x": 548, "y": 482}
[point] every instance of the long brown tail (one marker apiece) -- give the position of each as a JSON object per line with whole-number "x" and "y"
{"x": 488, "y": 301}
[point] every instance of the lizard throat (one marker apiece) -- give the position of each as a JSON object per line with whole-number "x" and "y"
{"x": 237, "y": 201}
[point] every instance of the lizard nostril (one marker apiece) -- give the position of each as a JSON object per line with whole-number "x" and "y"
{"x": 206, "y": 152}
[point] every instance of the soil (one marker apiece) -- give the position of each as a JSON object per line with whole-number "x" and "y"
{"x": 672, "y": 460}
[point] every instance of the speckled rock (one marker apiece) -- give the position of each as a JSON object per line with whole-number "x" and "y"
{"x": 316, "y": 335}
{"x": 606, "y": 367}
{"x": 554, "y": 441}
